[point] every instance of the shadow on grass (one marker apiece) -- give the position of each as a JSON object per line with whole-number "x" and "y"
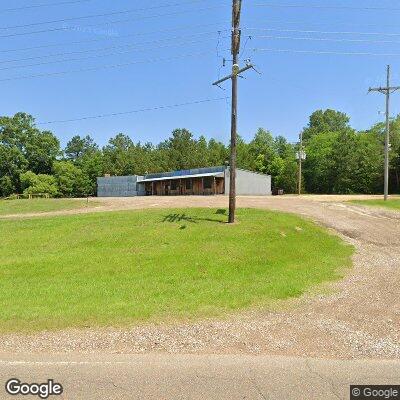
{"x": 173, "y": 218}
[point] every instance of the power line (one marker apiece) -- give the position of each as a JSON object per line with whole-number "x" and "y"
{"x": 100, "y": 15}
{"x": 105, "y": 55}
{"x": 352, "y": 24}
{"x": 133, "y": 111}
{"x": 328, "y": 52}
{"x": 108, "y": 38}
{"x": 101, "y": 49}
{"x": 65, "y": 28}
{"x": 324, "y": 32}
{"x": 103, "y": 67}
{"x": 322, "y": 22}
{"x": 325, "y": 39}
{"x": 326, "y": 7}
{"x": 43, "y": 5}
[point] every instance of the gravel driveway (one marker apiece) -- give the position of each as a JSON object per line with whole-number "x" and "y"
{"x": 358, "y": 317}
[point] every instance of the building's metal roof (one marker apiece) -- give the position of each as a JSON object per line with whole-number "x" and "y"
{"x": 200, "y": 175}
{"x": 193, "y": 171}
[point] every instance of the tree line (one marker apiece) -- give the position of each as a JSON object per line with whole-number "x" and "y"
{"x": 339, "y": 158}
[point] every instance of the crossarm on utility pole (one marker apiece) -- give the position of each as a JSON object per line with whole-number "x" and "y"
{"x": 383, "y": 90}
{"x": 247, "y": 67}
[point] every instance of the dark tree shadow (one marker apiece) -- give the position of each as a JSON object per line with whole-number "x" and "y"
{"x": 172, "y": 218}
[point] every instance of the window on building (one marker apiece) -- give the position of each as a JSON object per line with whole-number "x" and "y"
{"x": 188, "y": 184}
{"x": 208, "y": 182}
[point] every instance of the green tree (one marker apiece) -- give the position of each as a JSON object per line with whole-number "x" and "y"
{"x": 79, "y": 147}
{"x": 394, "y": 155}
{"x": 6, "y": 186}
{"x": 245, "y": 159}
{"x": 181, "y": 149}
{"x": 71, "y": 181}
{"x": 91, "y": 165}
{"x": 325, "y": 121}
{"x": 202, "y": 156}
{"x": 218, "y": 153}
{"x": 287, "y": 177}
{"x": 38, "y": 183}
{"x": 23, "y": 147}
{"x": 12, "y": 164}
{"x": 41, "y": 151}
{"x": 261, "y": 151}
{"x": 319, "y": 165}
{"x": 86, "y": 155}
{"x": 117, "y": 160}
{"x": 345, "y": 162}
{"x": 38, "y": 148}
{"x": 368, "y": 175}
{"x": 281, "y": 146}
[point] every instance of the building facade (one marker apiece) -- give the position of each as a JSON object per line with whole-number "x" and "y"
{"x": 200, "y": 181}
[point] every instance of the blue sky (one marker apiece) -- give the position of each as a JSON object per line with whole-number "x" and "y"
{"x": 169, "y": 49}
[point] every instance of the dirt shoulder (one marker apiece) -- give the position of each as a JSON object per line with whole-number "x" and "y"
{"x": 105, "y": 204}
{"x": 358, "y": 317}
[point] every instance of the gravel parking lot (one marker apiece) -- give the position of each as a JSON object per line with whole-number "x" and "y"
{"x": 358, "y": 317}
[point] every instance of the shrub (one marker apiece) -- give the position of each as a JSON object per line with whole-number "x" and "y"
{"x": 36, "y": 184}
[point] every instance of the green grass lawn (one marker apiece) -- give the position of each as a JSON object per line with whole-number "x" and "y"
{"x": 393, "y": 204}
{"x": 24, "y": 206}
{"x": 125, "y": 267}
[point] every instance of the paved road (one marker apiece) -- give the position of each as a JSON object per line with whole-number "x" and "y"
{"x": 164, "y": 377}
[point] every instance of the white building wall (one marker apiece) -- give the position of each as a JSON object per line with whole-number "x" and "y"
{"x": 249, "y": 183}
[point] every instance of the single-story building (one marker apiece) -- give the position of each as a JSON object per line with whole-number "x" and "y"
{"x": 199, "y": 181}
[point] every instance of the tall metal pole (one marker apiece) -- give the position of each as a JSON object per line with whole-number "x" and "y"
{"x": 236, "y": 9}
{"x": 387, "y": 91}
{"x": 387, "y": 138}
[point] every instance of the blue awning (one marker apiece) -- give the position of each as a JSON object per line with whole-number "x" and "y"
{"x": 168, "y": 178}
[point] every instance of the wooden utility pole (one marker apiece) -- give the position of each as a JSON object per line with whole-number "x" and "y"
{"x": 387, "y": 91}
{"x": 300, "y": 155}
{"x": 236, "y": 71}
{"x": 236, "y": 10}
